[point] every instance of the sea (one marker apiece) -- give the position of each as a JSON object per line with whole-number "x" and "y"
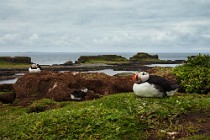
{"x": 50, "y": 58}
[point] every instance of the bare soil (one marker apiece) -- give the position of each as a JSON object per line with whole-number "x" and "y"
{"x": 193, "y": 123}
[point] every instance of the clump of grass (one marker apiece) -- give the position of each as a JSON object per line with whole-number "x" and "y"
{"x": 42, "y": 105}
{"x": 2, "y": 92}
{"x": 120, "y": 116}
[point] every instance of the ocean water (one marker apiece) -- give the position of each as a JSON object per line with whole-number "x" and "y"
{"x": 49, "y": 58}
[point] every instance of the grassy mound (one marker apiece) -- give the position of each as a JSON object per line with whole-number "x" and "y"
{"x": 107, "y": 59}
{"x": 119, "y": 116}
{"x": 145, "y": 57}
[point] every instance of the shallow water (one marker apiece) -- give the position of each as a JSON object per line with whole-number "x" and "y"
{"x": 111, "y": 72}
{"x": 162, "y": 65}
{"x": 10, "y": 81}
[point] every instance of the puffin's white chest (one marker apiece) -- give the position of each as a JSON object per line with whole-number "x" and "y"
{"x": 37, "y": 70}
{"x": 146, "y": 90}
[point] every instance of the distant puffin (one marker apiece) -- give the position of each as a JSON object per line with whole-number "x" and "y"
{"x": 79, "y": 95}
{"x": 152, "y": 85}
{"x": 35, "y": 68}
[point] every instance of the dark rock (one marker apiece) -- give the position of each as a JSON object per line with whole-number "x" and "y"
{"x": 6, "y": 73}
{"x": 68, "y": 63}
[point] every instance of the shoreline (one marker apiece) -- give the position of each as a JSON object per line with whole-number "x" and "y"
{"x": 7, "y": 74}
{"x": 139, "y": 62}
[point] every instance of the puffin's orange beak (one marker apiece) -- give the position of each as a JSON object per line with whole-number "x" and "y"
{"x": 134, "y": 77}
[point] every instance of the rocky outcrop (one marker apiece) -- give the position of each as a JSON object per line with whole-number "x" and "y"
{"x": 16, "y": 59}
{"x": 141, "y": 56}
{"x": 68, "y": 63}
{"x": 60, "y": 86}
{"x": 101, "y": 58}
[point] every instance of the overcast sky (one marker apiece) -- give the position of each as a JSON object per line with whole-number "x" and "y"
{"x": 105, "y": 25}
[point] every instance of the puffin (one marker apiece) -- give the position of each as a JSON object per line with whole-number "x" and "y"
{"x": 79, "y": 95}
{"x": 147, "y": 85}
{"x": 35, "y": 68}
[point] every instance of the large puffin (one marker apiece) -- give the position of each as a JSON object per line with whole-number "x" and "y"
{"x": 152, "y": 85}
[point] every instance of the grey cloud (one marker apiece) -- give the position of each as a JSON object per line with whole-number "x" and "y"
{"x": 75, "y": 25}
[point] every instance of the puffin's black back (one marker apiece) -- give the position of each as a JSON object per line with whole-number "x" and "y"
{"x": 160, "y": 82}
{"x": 79, "y": 94}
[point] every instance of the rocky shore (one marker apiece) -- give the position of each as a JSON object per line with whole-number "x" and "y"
{"x": 89, "y": 63}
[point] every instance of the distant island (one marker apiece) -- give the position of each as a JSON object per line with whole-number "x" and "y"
{"x": 141, "y": 57}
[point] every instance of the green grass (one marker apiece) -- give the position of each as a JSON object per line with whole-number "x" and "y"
{"x": 4, "y": 65}
{"x": 2, "y": 92}
{"x": 119, "y": 116}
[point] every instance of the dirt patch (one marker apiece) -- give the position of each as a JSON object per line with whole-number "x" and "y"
{"x": 60, "y": 86}
{"x": 194, "y": 123}
{"x": 200, "y": 120}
